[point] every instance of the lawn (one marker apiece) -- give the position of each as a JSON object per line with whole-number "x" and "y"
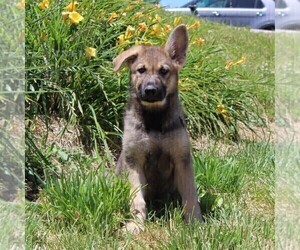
{"x": 74, "y": 107}
{"x": 85, "y": 209}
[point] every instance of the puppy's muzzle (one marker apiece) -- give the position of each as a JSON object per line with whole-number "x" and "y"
{"x": 152, "y": 92}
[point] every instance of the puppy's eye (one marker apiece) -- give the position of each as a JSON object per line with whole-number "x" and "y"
{"x": 141, "y": 70}
{"x": 163, "y": 71}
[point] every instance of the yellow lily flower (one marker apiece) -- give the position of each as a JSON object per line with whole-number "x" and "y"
{"x": 43, "y": 36}
{"x": 72, "y": 6}
{"x": 186, "y": 84}
{"x": 90, "y": 52}
{"x": 65, "y": 15}
{"x": 177, "y": 20}
{"x": 167, "y": 27}
{"x": 199, "y": 41}
{"x": 75, "y": 17}
{"x": 21, "y": 5}
{"x": 137, "y": 42}
{"x": 230, "y": 63}
{"x": 121, "y": 40}
{"x": 155, "y": 30}
{"x": 196, "y": 24}
{"x": 242, "y": 60}
{"x": 112, "y": 17}
{"x": 157, "y": 18}
{"x": 129, "y": 32}
{"x": 44, "y": 4}
{"x": 143, "y": 41}
{"x": 102, "y": 15}
{"x": 221, "y": 109}
{"x": 142, "y": 26}
{"x": 22, "y": 36}
{"x": 129, "y": 8}
{"x": 138, "y": 15}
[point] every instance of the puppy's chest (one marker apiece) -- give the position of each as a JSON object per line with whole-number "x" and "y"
{"x": 159, "y": 125}
{"x": 158, "y": 167}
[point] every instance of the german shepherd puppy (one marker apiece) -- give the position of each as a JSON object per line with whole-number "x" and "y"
{"x": 155, "y": 149}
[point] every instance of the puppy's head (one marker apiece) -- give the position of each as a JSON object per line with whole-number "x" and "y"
{"x": 154, "y": 69}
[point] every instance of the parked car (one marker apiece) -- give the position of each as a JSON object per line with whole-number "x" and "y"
{"x": 287, "y": 14}
{"x": 257, "y": 14}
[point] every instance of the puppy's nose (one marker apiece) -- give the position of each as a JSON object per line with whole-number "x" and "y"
{"x": 150, "y": 91}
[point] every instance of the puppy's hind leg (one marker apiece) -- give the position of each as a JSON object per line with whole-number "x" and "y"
{"x": 185, "y": 183}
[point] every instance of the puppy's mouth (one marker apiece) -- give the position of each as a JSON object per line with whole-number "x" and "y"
{"x": 156, "y": 104}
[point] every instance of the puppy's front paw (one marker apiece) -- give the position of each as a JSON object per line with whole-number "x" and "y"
{"x": 133, "y": 227}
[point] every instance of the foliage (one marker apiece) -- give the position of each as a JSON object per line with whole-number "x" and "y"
{"x": 64, "y": 78}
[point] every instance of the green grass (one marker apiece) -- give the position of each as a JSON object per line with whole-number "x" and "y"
{"x": 11, "y": 132}
{"x": 287, "y": 194}
{"x": 87, "y": 209}
{"x": 13, "y": 225}
{"x": 287, "y": 81}
{"x": 11, "y": 99}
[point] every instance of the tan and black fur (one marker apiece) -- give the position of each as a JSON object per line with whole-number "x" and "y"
{"x": 155, "y": 149}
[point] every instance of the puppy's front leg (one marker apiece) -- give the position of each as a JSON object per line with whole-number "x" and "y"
{"x": 138, "y": 205}
{"x": 185, "y": 183}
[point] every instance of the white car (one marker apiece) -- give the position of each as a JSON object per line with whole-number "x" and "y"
{"x": 257, "y": 14}
{"x": 287, "y": 14}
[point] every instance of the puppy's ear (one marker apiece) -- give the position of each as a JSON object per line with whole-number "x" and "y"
{"x": 127, "y": 57}
{"x": 177, "y": 45}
